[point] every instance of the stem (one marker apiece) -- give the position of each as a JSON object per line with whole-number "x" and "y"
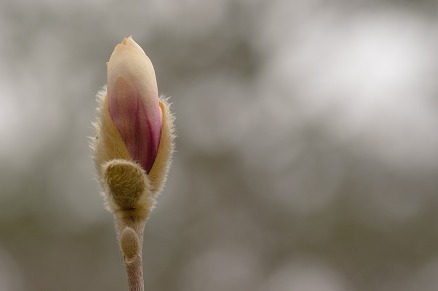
{"x": 134, "y": 270}
{"x": 130, "y": 232}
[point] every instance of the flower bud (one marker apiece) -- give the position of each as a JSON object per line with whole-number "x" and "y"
{"x": 134, "y": 139}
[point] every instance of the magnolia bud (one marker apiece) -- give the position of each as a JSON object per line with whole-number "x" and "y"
{"x": 134, "y": 139}
{"x": 132, "y": 149}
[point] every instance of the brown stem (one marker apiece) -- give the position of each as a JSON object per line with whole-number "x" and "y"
{"x": 134, "y": 270}
{"x": 131, "y": 242}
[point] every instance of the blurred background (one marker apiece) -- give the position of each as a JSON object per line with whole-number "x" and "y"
{"x": 307, "y": 149}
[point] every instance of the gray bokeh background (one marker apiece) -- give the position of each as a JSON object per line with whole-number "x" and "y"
{"x": 307, "y": 155}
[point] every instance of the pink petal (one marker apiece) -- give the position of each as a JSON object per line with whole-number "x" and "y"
{"x": 138, "y": 125}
